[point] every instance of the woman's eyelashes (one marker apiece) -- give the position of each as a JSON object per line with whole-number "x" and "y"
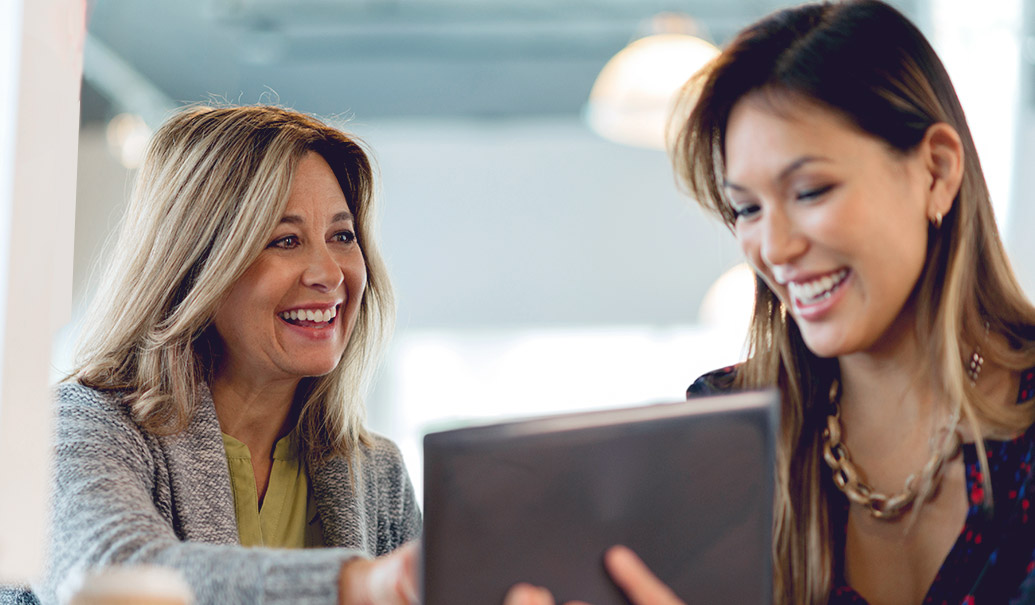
{"x": 747, "y": 210}
{"x": 288, "y": 242}
{"x": 285, "y": 243}
{"x": 813, "y": 192}
{"x": 345, "y": 237}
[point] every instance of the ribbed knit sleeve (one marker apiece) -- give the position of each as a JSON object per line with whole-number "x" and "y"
{"x": 403, "y": 516}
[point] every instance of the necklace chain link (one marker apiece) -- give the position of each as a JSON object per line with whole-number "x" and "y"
{"x": 945, "y": 446}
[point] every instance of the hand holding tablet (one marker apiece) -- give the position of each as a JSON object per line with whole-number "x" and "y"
{"x": 626, "y": 569}
{"x": 387, "y": 580}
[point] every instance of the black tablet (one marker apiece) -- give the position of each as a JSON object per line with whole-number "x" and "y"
{"x": 687, "y": 485}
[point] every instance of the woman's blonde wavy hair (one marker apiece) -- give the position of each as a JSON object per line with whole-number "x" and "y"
{"x": 864, "y": 61}
{"x": 213, "y": 185}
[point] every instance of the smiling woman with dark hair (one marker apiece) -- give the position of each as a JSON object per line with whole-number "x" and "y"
{"x": 217, "y": 404}
{"x": 830, "y": 141}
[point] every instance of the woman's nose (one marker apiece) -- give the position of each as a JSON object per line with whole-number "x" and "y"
{"x": 322, "y": 270}
{"x": 782, "y": 241}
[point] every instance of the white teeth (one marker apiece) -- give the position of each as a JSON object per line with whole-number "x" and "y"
{"x": 817, "y": 289}
{"x": 317, "y": 315}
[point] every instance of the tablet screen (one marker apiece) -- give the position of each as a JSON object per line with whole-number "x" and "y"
{"x": 688, "y": 486}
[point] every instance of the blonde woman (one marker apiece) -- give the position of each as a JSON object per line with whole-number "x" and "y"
{"x": 214, "y": 424}
{"x": 829, "y": 139}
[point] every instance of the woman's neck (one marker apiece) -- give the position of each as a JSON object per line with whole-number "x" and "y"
{"x": 895, "y": 382}
{"x": 889, "y": 392}
{"x": 255, "y": 412}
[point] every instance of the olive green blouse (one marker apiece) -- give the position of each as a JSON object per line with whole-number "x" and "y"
{"x": 288, "y": 517}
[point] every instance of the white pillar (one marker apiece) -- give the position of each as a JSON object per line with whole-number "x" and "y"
{"x": 41, "y": 63}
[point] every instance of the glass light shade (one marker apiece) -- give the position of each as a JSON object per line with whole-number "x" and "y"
{"x": 127, "y": 136}
{"x": 634, "y": 93}
{"x": 730, "y": 301}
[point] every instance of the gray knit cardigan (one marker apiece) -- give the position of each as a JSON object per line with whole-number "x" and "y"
{"x": 124, "y": 496}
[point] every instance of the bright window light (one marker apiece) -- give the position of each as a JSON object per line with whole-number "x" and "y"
{"x": 438, "y": 380}
{"x": 980, "y": 47}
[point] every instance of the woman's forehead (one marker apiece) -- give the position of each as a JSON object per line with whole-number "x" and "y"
{"x": 787, "y": 105}
{"x": 765, "y": 130}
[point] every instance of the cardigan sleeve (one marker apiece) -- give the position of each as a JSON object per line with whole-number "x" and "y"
{"x": 108, "y": 509}
{"x": 402, "y": 512}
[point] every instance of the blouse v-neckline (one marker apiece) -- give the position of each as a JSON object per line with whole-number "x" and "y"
{"x": 988, "y": 549}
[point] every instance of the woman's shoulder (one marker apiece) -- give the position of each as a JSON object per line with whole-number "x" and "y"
{"x": 92, "y": 425}
{"x": 715, "y": 382}
{"x": 74, "y": 392}
{"x": 377, "y": 463}
{"x": 382, "y": 451}
{"x": 375, "y": 457}
{"x": 85, "y": 409}
{"x": 74, "y": 397}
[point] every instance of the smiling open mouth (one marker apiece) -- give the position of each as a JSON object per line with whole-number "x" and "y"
{"x": 310, "y": 317}
{"x": 816, "y": 290}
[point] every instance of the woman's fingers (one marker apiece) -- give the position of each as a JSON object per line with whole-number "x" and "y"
{"x": 387, "y": 580}
{"x": 636, "y": 580}
{"x": 526, "y": 594}
{"x": 626, "y": 569}
{"x": 394, "y": 576}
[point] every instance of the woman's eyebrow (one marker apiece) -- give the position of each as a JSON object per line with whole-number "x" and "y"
{"x": 786, "y": 172}
{"x": 796, "y": 164}
{"x": 294, "y": 219}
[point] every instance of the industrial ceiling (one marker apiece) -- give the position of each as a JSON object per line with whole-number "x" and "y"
{"x": 375, "y": 59}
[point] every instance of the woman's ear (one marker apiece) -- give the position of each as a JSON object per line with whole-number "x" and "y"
{"x": 942, "y": 151}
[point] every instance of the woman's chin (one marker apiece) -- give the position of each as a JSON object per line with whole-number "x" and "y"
{"x": 321, "y": 371}
{"x": 822, "y": 346}
{"x": 312, "y": 368}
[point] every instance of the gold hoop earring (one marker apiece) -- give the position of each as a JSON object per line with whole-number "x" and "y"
{"x": 937, "y": 220}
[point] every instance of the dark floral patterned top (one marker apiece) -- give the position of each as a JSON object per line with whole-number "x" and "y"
{"x": 993, "y": 559}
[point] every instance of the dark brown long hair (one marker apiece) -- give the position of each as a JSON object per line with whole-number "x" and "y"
{"x": 865, "y": 62}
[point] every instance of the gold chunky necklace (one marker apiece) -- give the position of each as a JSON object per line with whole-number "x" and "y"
{"x": 945, "y": 446}
{"x": 850, "y": 480}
